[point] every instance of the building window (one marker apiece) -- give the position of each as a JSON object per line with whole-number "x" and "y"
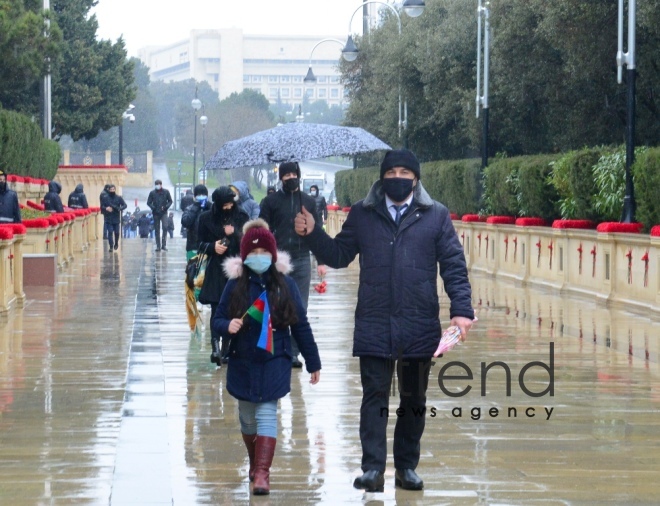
{"x": 246, "y": 79}
{"x": 285, "y": 79}
{"x": 183, "y": 56}
{"x": 285, "y": 92}
{"x": 322, "y": 79}
{"x": 334, "y": 93}
{"x": 323, "y": 93}
{"x": 256, "y": 79}
{"x": 272, "y": 79}
{"x": 309, "y": 93}
{"x": 297, "y": 92}
{"x": 273, "y": 92}
{"x": 296, "y": 79}
{"x": 334, "y": 79}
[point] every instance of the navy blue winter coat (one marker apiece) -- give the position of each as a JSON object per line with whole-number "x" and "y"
{"x": 253, "y": 374}
{"x": 397, "y": 313}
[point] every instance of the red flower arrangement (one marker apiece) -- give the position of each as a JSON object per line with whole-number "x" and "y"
{"x": 655, "y": 231}
{"x": 12, "y": 178}
{"x": 531, "y": 222}
{"x": 36, "y": 223}
{"x": 472, "y": 218}
{"x": 345, "y": 209}
{"x": 16, "y": 228}
{"x": 453, "y": 216}
{"x": 584, "y": 224}
{"x": 6, "y": 233}
{"x": 613, "y": 227}
{"x": 333, "y": 207}
{"x": 34, "y": 205}
{"x": 501, "y": 220}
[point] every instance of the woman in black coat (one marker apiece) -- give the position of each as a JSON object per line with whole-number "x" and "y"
{"x": 219, "y": 234}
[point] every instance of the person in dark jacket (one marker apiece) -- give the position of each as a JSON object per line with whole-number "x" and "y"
{"x": 321, "y": 204}
{"x": 186, "y": 201}
{"x": 112, "y": 207}
{"x": 52, "y": 200}
{"x": 269, "y": 191}
{"x": 402, "y": 236}
{"x": 159, "y": 201}
{"x": 10, "y": 210}
{"x": 170, "y": 225}
{"x": 102, "y": 196}
{"x": 190, "y": 217}
{"x": 144, "y": 226}
{"x": 279, "y": 211}
{"x": 219, "y": 232}
{"x": 258, "y": 375}
{"x": 77, "y": 198}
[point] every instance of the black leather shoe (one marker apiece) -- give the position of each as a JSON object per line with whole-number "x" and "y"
{"x": 164, "y": 248}
{"x": 370, "y": 481}
{"x": 157, "y": 249}
{"x": 407, "y": 479}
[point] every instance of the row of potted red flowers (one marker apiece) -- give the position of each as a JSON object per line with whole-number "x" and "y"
{"x": 605, "y": 227}
{"x": 12, "y": 178}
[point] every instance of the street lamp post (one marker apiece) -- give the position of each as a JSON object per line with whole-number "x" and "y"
{"x": 482, "y": 100}
{"x": 310, "y": 78}
{"x": 131, "y": 117}
{"x": 413, "y": 8}
{"x": 628, "y": 59}
{"x": 196, "y": 105}
{"x": 203, "y": 120}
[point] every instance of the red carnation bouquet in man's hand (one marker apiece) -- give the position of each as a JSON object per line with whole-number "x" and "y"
{"x": 320, "y": 287}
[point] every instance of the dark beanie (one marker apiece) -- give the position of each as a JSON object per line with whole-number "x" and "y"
{"x": 200, "y": 189}
{"x": 287, "y": 167}
{"x": 223, "y": 195}
{"x": 400, "y": 158}
{"x": 257, "y": 235}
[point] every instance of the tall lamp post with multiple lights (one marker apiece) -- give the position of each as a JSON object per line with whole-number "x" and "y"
{"x": 203, "y": 120}
{"x": 127, "y": 114}
{"x": 413, "y": 8}
{"x": 196, "y": 105}
{"x": 628, "y": 59}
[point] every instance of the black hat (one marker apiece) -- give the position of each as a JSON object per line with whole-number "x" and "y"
{"x": 223, "y": 195}
{"x": 287, "y": 167}
{"x": 400, "y": 158}
{"x": 200, "y": 189}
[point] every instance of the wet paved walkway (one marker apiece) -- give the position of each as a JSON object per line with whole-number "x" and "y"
{"x": 107, "y": 398}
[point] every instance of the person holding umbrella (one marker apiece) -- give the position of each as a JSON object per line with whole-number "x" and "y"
{"x": 279, "y": 210}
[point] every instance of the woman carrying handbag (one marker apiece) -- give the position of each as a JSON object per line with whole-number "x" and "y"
{"x": 219, "y": 233}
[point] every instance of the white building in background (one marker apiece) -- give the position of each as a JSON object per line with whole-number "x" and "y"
{"x": 232, "y": 62}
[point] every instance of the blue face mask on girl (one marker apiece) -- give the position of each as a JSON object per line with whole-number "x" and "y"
{"x": 258, "y": 262}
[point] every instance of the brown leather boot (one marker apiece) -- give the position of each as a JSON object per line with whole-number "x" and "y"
{"x": 263, "y": 459}
{"x": 250, "y": 442}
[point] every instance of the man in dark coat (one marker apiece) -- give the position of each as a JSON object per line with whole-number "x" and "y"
{"x": 321, "y": 204}
{"x": 186, "y": 201}
{"x": 10, "y": 210}
{"x": 219, "y": 232}
{"x": 112, "y": 207}
{"x": 190, "y": 217}
{"x": 77, "y": 198}
{"x": 402, "y": 236}
{"x": 279, "y": 210}
{"x": 52, "y": 200}
{"x": 144, "y": 226}
{"x": 159, "y": 201}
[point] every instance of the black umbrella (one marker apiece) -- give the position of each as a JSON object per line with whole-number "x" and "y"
{"x": 294, "y": 142}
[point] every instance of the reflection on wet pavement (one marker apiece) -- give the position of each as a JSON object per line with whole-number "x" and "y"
{"x": 107, "y": 398}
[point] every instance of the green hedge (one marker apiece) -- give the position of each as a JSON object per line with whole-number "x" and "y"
{"x": 455, "y": 183}
{"x": 646, "y": 176}
{"x": 23, "y": 150}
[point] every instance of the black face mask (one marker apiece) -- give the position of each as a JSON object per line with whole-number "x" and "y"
{"x": 3, "y": 186}
{"x": 397, "y": 188}
{"x": 291, "y": 185}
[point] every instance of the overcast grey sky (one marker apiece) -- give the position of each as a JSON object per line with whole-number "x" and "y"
{"x": 156, "y": 22}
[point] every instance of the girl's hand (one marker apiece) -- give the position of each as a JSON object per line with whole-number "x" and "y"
{"x": 315, "y": 377}
{"x": 235, "y": 325}
{"x": 220, "y": 248}
{"x": 229, "y": 229}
